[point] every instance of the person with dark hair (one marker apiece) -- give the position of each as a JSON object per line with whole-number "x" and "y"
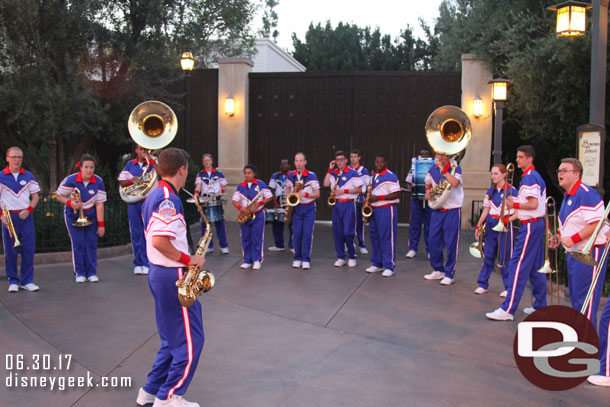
{"x": 419, "y": 212}
{"x": 383, "y": 223}
{"x": 528, "y": 253}
{"x": 250, "y": 198}
{"x": 90, "y": 194}
{"x": 180, "y": 328}
{"x": 345, "y": 185}
{"x": 131, "y": 173}
{"x": 210, "y": 184}
{"x": 496, "y": 243}
{"x": 304, "y": 214}
{"x": 364, "y": 174}
{"x": 278, "y": 184}
{"x": 19, "y": 196}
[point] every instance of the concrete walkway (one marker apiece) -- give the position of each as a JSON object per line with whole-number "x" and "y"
{"x": 282, "y": 337}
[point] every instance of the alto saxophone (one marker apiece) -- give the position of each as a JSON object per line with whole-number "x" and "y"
{"x": 241, "y": 218}
{"x": 367, "y": 209}
{"x": 293, "y": 200}
{"x": 197, "y": 282}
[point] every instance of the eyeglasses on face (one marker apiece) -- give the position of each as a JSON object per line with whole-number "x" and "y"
{"x": 562, "y": 171}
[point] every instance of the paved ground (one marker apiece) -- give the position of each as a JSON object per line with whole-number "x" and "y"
{"x": 283, "y": 337}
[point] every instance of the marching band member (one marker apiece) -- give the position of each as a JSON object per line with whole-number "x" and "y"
{"x": 500, "y": 243}
{"x": 383, "y": 224}
{"x": 131, "y": 172}
{"x": 304, "y": 214}
{"x": 603, "y": 378}
{"x": 92, "y": 198}
{"x": 345, "y": 186}
{"x": 212, "y": 182}
{"x": 253, "y": 230}
{"x": 278, "y": 184}
{"x": 580, "y": 212}
{"x": 363, "y": 173}
{"x": 19, "y": 194}
{"x": 528, "y": 253}
{"x": 445, "y": 222}
{"x": 420, "y": 212}
{"x": 180, "y": 328}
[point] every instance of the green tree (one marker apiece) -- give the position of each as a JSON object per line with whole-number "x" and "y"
{"x": 270, "y": 19}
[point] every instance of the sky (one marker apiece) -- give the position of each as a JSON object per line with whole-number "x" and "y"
{"x": 390, "y": 15}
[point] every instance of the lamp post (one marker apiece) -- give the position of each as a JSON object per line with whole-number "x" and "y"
{"x": 187, "y": 62}
{"x": 499, "y": 94}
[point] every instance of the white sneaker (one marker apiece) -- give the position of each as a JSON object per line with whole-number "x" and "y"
{"x": 246, "y": 265}
{"x": 339, "y": 263}
{"x": 30, "y": 287}
{"x": 144, "y": 397}
{"x": 387, "y": 273}
{"x": 144, "y": 270}
{"x": 209, "y": 250}
{"x": 410, "y": 254}
{"x": 503, "y": 294}
{"x": 81, "y": 279}
{"x": 363, "y": 250}
{"x": 447, "y": 281}
{"x": 275, "y": 249}
{"x": 224, "y": 250}
{"x": 529, "y": 310}
{"x": 93, "y": 279}
{"x": 306, "y": 265}
{"x": 352, "y": 263}
{"x": 174, "y": 401}
{"x": 373, "y": 269}
{"x": 257, "y": 265}
{"x": 137, "y": 270}
{"x": 292, "y": 251}
{"x": 435, "y": 275}
{"x": 480, "y": 290}
{"x": 500, "y": 315}
{"x": 599, "y": 380}
{"x": 13, "y": 288}
{"x": 428, "y": 256}
{"x": 297, "y": 264}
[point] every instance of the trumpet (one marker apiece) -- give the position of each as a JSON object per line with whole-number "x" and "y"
{"x": 82, "y": 220}
{"x": 550, "y": 231}
{"x": 500, "y": 228}
{"x": 9, "y": 225}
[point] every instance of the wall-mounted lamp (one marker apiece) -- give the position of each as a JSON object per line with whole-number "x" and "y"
{"x": 477, "y": 110}
{"x": 571, "y": 18}
{"x": 229, "y": 106}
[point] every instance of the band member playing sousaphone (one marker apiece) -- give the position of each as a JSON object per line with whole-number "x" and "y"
{"x": 528, "y": 254}
{"x": 496, "y": 242}
{"x": 210, "y": 184}
{"x": 304, "y": 212}
{"x": 83, "y": 195}
{"x": 250, "y": 198}
{"x": 278, "y": 184}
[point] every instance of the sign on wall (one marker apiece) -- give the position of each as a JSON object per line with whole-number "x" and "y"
{"x": 590, "y": 153}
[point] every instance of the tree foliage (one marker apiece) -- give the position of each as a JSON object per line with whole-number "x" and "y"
{"x": 348, "y": 47}
{"x": 270, "y": 19}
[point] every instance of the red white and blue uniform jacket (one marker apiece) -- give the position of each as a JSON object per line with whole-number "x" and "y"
{"x": 310, "y": 183}
{"x": 278, "y": 183}
{"x": 581, "y": 206}
{"x": 15, "y": 192}
{"x": 385, "y": 183}
{"x": 494, "y": 197}
{"x": 210, "y": 183}
{"x": 365, "y": 175}
{"x": 135, "y": 168}
{"x": 456, "y": 195}
{"x": 532, "y": 185}
{"x": 348, "y": 179}
{"x": 91, "y": 193}
{"x": 244, "y": 194}
{"x": 163, "y": 215}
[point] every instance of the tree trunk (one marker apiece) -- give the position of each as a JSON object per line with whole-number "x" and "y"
{"x": 53, "y": 162}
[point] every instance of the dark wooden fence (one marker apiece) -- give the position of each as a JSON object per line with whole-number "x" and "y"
{"x": 320, "y": 112}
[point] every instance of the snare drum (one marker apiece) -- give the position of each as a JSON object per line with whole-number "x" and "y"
{"x": 269, "y": 215}
{"x": 421, "y": 166}
{"x": 275, "y": 215}
{"x": 214, "y": 213}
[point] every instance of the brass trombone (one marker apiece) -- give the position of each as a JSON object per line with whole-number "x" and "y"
{"x": 550, "y": 232}
{"x": 510, "y": 169}
{"x": 477, "y": 249}
{"x": 9, "y": 224}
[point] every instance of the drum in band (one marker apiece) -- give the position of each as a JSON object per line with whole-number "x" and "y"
{"x": 420, "y": 166}
{"x": 275, "y": 215}
{"x": 212, "y": 206}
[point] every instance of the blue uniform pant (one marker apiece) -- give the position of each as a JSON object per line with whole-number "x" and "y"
{"x": 445, "y": 232}
{"x": 527, "y": 259}
{"x": 221, "y": 233}
{"x": 344, "y": 228}
{"x": 604, "y": 333}
{"x": 84, "y": 243}
{"x": 278, "y": 233}
{"x": 580, "y": 277}
{"x": 493, "y": 240}
{"x": 252, "y": 238}
{"x": 383, "y": 227}
{"x": 27, "y": 236}
{"x": 136, "y": 230}
{"x": 303, "y": 217}
{"x": 181, "y": 333}
{"x": 360, "y": 224}
{"x": 420, "y": 213}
